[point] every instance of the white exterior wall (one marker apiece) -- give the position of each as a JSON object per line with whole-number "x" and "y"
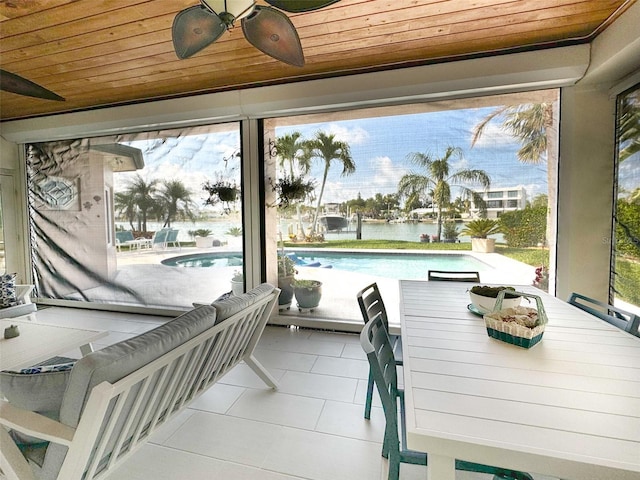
{"x": 501, "y": 195}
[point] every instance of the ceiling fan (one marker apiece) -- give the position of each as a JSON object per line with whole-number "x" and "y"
{"x": 10, "y": 82}
{"x": 266, "y": 28}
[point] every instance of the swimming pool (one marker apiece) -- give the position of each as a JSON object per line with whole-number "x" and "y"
{"x": 385, "y": 264}
{"x": 211, "y": 259}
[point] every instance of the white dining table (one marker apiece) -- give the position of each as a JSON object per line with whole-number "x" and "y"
{"x": 568, "y": 407}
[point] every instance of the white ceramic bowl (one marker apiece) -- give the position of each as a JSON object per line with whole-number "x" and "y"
{"x": 486, "y": 304}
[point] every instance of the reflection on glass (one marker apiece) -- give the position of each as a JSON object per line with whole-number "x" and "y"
{"x": 107, "y": 213}
{"x": 626, "y": 283}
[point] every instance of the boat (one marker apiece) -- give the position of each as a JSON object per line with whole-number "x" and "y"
{"x": 334, "y": 223}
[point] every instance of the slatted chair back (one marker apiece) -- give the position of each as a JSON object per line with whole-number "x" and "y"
{"x": 452, "y": 276}
{"x": 622, "y": 319}
{"x": 372, "y": 306}
{"x": 376, "y": 344}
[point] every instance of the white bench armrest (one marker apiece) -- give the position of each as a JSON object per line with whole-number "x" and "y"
{"x": 23, "y": 293}
{"x": 13, "y": 465}
{"x": 35, "y": 424}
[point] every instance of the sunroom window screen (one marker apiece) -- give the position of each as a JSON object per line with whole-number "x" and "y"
{"x": 136, "y": 219}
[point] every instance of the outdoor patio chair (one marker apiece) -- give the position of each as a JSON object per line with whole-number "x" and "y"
{"x": 123, "y": 237}
{"x": 377, "y": 345}
{"x": 172, "y": 238}
{"x": 453, "y": 276}
{"x": 371, "y": 306}
{"x": 622, "y": 319}
{"x": 160, "y": 238}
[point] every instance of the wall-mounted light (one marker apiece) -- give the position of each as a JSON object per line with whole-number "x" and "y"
{"x": 273, "y": 151}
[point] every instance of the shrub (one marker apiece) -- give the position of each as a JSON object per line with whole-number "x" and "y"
{"x": 526, "y": 227}
{"x": 481, "y": 228}
{"x": 628, "y": 229}
{"x": 450, "y": 231}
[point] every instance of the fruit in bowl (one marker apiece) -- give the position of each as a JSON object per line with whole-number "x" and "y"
{"x": 484, "y": 298}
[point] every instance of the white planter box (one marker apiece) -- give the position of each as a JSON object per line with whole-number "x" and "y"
{"x": 204, "y": 242}
{"x": 483, "y": 245}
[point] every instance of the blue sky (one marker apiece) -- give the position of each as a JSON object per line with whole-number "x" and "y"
{"x": 379, "y": 148}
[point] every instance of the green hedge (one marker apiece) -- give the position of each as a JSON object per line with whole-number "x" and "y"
{"x": 627, "y": 281}
{"x": 524, "y": 228}
{"x": 628, "y": 229}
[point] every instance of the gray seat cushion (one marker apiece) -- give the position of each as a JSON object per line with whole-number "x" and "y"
{"x": 232, "y": 305}
{"x": 117, "y": 361}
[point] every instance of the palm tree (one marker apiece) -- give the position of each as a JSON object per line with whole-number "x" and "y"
{"x": 532, "y": 124}
{"x": 175, "y": 201}
{"x": 124, "y": 203}
{"x": 143, "y": 198}
{"x": 438, "y": 181}
{"x": 326, "y": 148}
{"x": 629, "y": 126}
{"x": 291, "y": 149}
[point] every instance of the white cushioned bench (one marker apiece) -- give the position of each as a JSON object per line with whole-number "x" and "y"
{"x": 97, "y": 413}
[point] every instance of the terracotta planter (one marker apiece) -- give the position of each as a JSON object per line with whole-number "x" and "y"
{"x": 483, "y": 245}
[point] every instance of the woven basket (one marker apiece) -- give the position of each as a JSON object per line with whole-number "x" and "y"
{"x": 512, "y": 332}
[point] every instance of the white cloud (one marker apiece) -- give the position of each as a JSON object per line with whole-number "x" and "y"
{"x": 493, "y": 135}
{"x": 352, "y": 136}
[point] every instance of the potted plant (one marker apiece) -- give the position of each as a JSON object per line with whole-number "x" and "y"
{"x": 221, "y": 190}
{"x": 292, "y": 189}
{"x": 479, "y": 230}
{"x": 286, "y": 275}
{"x": 308, "y": 293}
{"x": 237, "y": 283}
{"x": 450, "y": 232}
{"x": 202, "y": 237}
{"x": 484, "y": 298}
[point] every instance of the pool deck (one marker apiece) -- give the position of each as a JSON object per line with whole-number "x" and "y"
{"x": 141, "y": 270}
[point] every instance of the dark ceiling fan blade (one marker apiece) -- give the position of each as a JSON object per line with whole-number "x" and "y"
{"x": 10, "y": 82}
{"x": 195, "y": 28}
{"x": 297, "y": 6}
{"x": 271, "y": 32}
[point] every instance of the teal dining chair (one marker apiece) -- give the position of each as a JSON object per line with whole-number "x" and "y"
{"x": 371, "y": 305}
{"x": 622, "y": 319}
{"x": 452, "y": 276}
{"x": 377, "y": 346}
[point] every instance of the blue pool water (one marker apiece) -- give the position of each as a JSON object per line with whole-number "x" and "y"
{"x": 218, "y": 259}
{"x": 389, "y": 265}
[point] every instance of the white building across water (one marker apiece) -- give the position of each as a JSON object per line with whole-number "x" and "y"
{"x": 500, "y": 200}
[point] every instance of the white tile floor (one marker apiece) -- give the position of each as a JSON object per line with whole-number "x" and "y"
{"x": 311, "y": 428}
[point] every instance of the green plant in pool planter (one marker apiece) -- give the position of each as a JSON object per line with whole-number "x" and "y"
{"x": 309, "y": 284}
{"x": 238, "y": 276}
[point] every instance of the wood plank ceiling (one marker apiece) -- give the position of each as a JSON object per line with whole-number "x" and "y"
{"x": 109, "y": 52}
